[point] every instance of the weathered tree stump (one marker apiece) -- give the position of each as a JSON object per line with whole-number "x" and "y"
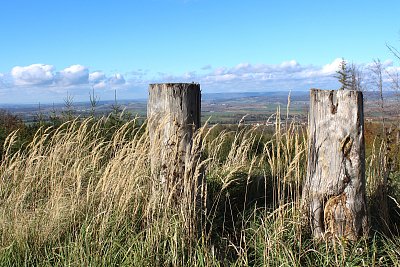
{"x": 173, "y": 112}
{"x": 334, "y": 196}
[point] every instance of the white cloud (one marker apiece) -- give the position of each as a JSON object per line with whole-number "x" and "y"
{"x": 100, "y": 81}
{"x": 289, "y": 64}
{"x": 246, "y": 76}
{"x": 387, "y": 63}
{"x": 2, "y": 83}
{"x": 73, "y": 75}
{"x": 96, "y": 77}
{"x": 116, "y": 79}
{"x": 393, "y": 70}
{"x": 191, "y": 75}
{"x": 219, "y": 71}
{"x": 35, "y": 74}
{"x": 241, "y": 77}
{"x": 331, "y": 68}
{"x": 225, "y": 77}
{"x": 286, "y": 75}
{"x": 242, "y": 68}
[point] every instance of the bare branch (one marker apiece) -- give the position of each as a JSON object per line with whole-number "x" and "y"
{"x": 394, "y": 51}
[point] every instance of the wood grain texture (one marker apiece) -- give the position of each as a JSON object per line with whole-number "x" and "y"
{"x": 173, "y": 113}
{"x": 334, "y": 190}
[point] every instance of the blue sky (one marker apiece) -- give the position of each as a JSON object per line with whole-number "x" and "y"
{"x": 49, "y": 48}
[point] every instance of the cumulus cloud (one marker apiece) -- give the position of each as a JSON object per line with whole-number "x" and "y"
{"x": 241, "y": 77}
{"x": 35, "y": 74}
{"x": 116, "y": 79}
{"x": 44, "y": 77}
{"x": 289, "y": 64}
{"x": 246, "y": 76}
{"x": 73, "y": 75}
{"x": 96, "y": 77}
{"x": 331, "y": 68}
{"x": 284, "y": 76}
{"x": 100, "y": 81}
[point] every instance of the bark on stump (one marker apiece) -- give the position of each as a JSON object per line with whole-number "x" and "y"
{"x": 173, "y": 112}
{"x": 334, "y": 190}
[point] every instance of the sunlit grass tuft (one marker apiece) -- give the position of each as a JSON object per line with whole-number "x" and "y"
{"x": 83, "y": 194}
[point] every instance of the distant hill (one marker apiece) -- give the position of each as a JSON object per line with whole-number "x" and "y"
{"x": 221, "y": 106}
{"x": 296, "y": 95}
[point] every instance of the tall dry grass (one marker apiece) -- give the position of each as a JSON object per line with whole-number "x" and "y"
{"x": 81, "y": 195}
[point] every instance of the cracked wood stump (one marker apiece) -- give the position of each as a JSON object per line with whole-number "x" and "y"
{"x": 173, "y": 112}
{"x": 334, "y": 198}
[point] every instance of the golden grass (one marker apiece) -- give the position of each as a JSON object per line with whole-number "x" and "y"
{"x": 81, "y": 194}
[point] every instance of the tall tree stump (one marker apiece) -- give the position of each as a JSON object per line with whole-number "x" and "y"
{"x": 334, "y": 196}
{"x": 173, "y": 112}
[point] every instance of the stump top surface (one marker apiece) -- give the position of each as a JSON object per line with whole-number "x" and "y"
{"x": 332, "y": 90}
{"x": 172, "y": 84}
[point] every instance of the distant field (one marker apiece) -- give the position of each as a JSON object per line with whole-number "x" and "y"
{"x": 228, "y": 108}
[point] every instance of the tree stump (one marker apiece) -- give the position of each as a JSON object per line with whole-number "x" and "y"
{"x": 173, "y": 112}
{"x": 334, "y": 198}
